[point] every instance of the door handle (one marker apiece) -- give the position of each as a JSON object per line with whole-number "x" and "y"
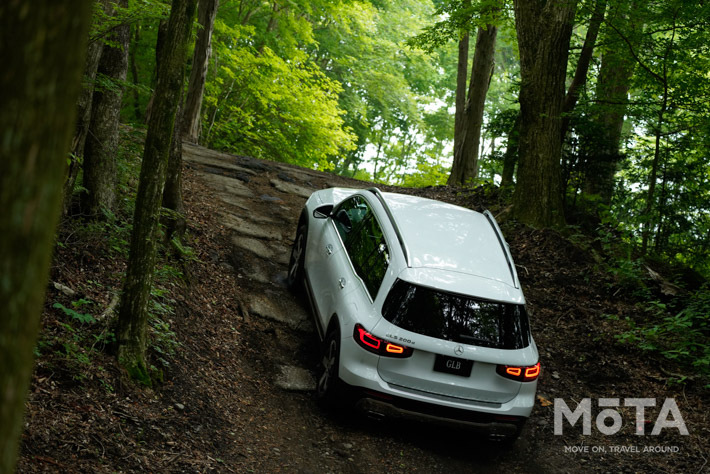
{"x": 342, "y": 282}
{"x": 329, "y": 249}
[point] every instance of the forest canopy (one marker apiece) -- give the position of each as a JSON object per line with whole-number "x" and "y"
{"x": 368, "y": 89}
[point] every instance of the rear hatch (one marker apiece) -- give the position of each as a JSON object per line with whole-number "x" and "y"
{"x": 458, "y": 342}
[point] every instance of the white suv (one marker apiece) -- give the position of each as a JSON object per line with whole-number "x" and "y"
{"x": 419, "y": 308}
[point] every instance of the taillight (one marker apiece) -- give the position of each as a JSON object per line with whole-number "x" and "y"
{"x": 379, "y": 346}
{"x": 521, "y": 374}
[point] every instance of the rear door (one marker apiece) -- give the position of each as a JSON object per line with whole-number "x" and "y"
{"x": 459, "y": 341}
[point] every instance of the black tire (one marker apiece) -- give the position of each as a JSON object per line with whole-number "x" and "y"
{"x": 295, "y": 275}
{"x": 328, "y": 381}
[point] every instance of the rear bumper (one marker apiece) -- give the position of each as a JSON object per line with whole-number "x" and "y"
{"x": 375, "y": 397}
{"x": 492, "y": 428}
{"x": 495, "y": 426}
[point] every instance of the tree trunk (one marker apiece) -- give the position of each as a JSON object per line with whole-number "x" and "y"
{"x": 192, "y": 123}
{"x": 134, "y": 72}
{"x": 459, "y": 124}
{"x": 133, "y": 315}
{"x": 102, "y": 141}
{"x": 175, "y": 223}
{"x": 93, "y": 55}
{"x": 601, "y": 144}
{"x": 544, "y": 29}
{"x": 510, "y": 159}
{"x": 43, "y": 47}
{"x": 160, "y": 42}
{"x": 585, "y": 58}
{"x": 465, "y": 166}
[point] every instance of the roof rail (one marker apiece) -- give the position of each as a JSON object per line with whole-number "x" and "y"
{"x": 381, "y": 198}
{"x": 501, "y": 241}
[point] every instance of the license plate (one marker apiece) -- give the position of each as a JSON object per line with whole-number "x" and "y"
{"x": 453, "y": 365}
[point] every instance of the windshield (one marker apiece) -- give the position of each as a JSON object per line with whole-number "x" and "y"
{"x": 457, "y": 318}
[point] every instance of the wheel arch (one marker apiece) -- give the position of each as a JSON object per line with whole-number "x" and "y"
{"x": 333, "y": 324}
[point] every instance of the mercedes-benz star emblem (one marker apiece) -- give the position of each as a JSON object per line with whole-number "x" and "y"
{"x": 459, "y": 350}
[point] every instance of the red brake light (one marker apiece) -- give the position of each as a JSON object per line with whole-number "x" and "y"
{"x": 531, "y": 373}
{"x": 379, "y": 346}
{"x": 521, "y": 374}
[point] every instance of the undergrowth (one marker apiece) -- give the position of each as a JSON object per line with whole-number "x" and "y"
{"x": 79, "y": 336}
{"x": 674, "y": 327}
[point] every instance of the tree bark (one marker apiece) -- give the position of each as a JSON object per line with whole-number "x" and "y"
{"x": 602, "y": 142}
{"x": 465, "y": 166}
{"x": 510, "y": 158}
{"x": 461, "y": 81}
{"x": 585, "y": 58}
{"x": 76, "y": 156}
{"x": 102, "y": 141}
{"x": 133, "y": 315}
{"x": 43, "y": 47}
{"x": 134, "y": 72}
{"x": 544, "y": 29}
{"x": 175, "y": 223}
{"x": 192, "y": 123}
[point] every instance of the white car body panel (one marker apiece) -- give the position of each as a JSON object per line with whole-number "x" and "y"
{"x": 443, "y": 247}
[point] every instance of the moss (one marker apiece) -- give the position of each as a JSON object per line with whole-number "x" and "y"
{"x": 136, "y": 370}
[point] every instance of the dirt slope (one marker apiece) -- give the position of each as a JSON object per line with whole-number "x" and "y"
{"x": 230, "y": 401}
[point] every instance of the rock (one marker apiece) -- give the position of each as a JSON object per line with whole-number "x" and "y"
{"x": 180, "y": 406}
{"x": 226, "y": 184}
{"x": 284, "y": 177}
{"x": 555, "y": 375}
{"x": 280, "y": 309}
{"x": 253, "y": 245}
{"x": 290, "y": 188}
{"x": 267, "y": 198}
{"x": 248, "y": 228}
{"x": 64, "y": 289}
{"x": 295, "y": 379}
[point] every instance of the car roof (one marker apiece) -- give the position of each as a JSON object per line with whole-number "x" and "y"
{"x": 446, "y": 237}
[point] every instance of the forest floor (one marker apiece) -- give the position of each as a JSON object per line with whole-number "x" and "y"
{"x": 226, "y": 341}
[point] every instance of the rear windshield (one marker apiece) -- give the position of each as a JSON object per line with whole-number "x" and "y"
{"x": 457, "y": 318}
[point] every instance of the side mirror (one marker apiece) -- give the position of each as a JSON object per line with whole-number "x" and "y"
{"x": 323, "y": 212}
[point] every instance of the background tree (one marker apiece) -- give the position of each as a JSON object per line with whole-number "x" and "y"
{"x": 102, "y": 139}
{"x": 83, "y": 120}
{"x": 544, "y": 29}
{"x": 192, "y": 119}
{"x": 465, "y": 166}
{"x": 601, "y": 138}
{"x": 43, "y": 47}
{"x": 133, "y": 314}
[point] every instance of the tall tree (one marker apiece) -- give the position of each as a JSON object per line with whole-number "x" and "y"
{"x": 192, "y": 119}
{"x": 602, "y": 140}
{"x": 544, "y": 28}
{"x": 102, "y": 140}
{"x": 465, "y": 166}
{"x": 174, "y": 221}
{"x": 133, "y": 314}
{"x": 460, "y": 102}
{"x": 93, "y": 54}
{"x": 585, "y": 58}
{"x": 43, "y": 45}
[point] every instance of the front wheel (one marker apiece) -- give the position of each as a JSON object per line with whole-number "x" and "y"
{"x": 298, "y": 258}
{"x": 328, "y": 379}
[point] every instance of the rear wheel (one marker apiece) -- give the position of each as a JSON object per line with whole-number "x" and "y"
{"x": 328, "y": 381}
{"x": 298, "y": 258}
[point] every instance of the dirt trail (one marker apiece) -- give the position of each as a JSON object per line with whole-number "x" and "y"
{"x": 238, "y": 396}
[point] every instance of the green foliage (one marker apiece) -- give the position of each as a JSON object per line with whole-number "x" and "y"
{"x": 683, "y": 337}
{"x": 255, "y": 104}
{"x": 81, "y": 317}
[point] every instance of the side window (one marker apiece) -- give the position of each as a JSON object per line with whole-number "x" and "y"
{"x": 364, "y": 242}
